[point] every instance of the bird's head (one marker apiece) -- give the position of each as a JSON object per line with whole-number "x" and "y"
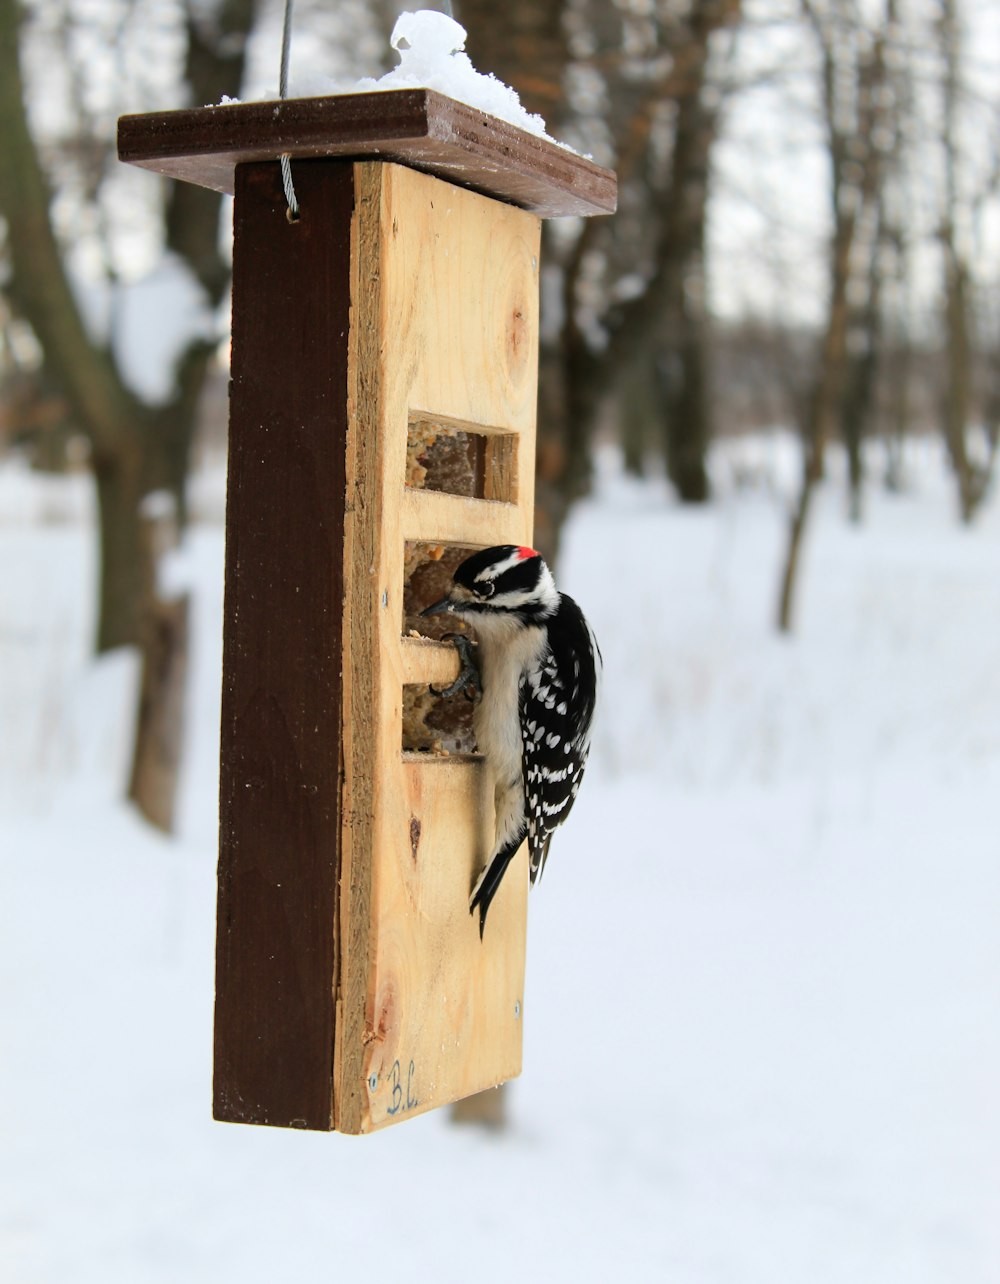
{"x": 508, "y": 580}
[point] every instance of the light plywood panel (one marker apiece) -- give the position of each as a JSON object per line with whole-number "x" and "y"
{"x": 444, "y": 323}
{"x": 456, "y": 519}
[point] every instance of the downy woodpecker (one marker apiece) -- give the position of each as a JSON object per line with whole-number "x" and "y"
{"x": 538, "y": 667}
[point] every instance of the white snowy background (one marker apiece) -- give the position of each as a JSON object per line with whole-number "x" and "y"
{"x": 762, "y": 1018}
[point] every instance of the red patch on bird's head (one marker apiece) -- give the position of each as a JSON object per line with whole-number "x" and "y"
{"x": 524, "y": 553}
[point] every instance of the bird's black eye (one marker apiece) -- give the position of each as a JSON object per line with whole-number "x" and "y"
{"x": 487, "y": 589}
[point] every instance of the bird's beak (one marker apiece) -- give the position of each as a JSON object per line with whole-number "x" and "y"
{"x": 438, "y": 608}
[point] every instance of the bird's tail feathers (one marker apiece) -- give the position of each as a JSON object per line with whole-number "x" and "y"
{"x": 537, "y": 858}
{"x": 489, "y": 880}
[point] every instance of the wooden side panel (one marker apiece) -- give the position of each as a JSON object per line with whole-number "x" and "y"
{"x": 281, "y": 712}
{"x": 444, "y": 323}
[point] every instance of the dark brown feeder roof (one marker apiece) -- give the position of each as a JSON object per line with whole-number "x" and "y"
{"x": 415, "y": 127}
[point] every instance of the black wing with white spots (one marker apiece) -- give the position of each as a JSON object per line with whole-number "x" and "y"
{"x": 557, "y": 706}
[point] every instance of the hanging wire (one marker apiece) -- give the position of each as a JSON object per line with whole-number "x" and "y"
{"x": 292, "y": 213}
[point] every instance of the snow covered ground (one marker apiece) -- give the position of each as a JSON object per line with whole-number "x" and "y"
{"x": 763, "y": 1005}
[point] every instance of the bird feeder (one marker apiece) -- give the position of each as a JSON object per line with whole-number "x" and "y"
{"x": 399, "y": 309}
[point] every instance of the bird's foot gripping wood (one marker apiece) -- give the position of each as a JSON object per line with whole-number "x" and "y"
{"x": 469, "y": 679}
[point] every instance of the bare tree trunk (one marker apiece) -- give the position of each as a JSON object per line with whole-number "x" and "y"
{"x": 899, "y": 414}
{"x": 124, "y": 568}
{"x": 854, "y": 175}
{"x": 898, "y": 358}
{"x": 156, "y": 755}
{"x": 957, "y": 322}
{"x": 683, "y": 366}
{"x": 864, "y": 351}
{"x": 796, "y": 530}
{"x": 958, "y": 387}
{"x": 822, "y": 411}
{"x": 638, "y": 410}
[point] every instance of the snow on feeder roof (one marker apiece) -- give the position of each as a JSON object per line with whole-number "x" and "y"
{"x": 431, "y": 56}
{"x": 434, "y": 112}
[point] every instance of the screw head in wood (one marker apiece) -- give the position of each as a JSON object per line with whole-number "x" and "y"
{"x": 373, "y": 1081}
{"x": 517, "y": 1009}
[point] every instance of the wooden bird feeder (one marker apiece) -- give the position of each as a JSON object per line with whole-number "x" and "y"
{"x": 399, "y": 311}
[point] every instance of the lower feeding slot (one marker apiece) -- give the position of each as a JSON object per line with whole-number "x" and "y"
{"x": 436, "y": 725}
{"x": 433, "y": 724}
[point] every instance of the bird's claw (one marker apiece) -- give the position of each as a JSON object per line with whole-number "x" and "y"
{"x": 468, "y": 680}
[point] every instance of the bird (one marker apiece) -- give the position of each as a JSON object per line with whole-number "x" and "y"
{"x": 537, "y": 666}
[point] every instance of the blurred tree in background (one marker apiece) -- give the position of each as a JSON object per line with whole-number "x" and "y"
{"x": 807, "y": 239}
{"x": 855, "y": 103}
{"x": 138, "y": 446}
{"x": 135, "y": 447}
{"x": 626, "y": 327}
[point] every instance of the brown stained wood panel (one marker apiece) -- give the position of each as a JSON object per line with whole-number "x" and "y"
{"x": 414, "y": 127}
{"x": 282, "y": 651}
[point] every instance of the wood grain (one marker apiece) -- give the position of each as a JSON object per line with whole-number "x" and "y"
{"x": 415, "y": 127}
{"x": 456, "y": 519}
{"x": 428, "y": 662}
{"x": 444, "y": 323}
